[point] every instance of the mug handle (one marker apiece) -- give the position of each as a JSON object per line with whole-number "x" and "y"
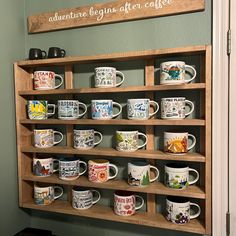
{"x": 141, "y": 134}
{"x": 57, "y": 132}
{"x": 85, "y": 108}
{"x": 198, "y": 213}
{"x": 116, "y": 171}
{"x": 120, "y": 107}
{"x": 53, "y": 112}
{"x": 85, "y": 167}
{"x": 194, "y": 73}
{"x": 63, "y": 53}
{"x": 142, "y": 202}
{"x": 44, "y": 54}
{"x": 60, "y": 194}
{"x": 194, "y": 141}
{"x": 62, "y": 80}
{"x": 157, "y": 173}
{"x": 196, "y": 179}
{"x": 100, "y": 136}
{"x": 122, "y": 77}
{"x": 55, "y": 160}
{"x": 157, "y": 108}
{"x": 99, "y": 196}
{"x": 191, "y": 106}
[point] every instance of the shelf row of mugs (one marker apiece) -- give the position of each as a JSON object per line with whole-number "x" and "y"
{"x": 171, "y": 73}
{"x": 178, "y": 210}
{"x": 177, "y": 143}
{"x": 104, "y": 109}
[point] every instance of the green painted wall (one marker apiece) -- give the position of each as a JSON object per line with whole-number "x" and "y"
{"x": 173, "y": 31}
{"x": 12, "y": 39}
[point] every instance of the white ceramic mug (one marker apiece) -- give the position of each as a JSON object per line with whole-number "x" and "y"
{"x": 43, "y": 167}
{"x": 44, "y": 80}
{"x": 173, "y": 72}
{"x": 177, "y": 175}
{"x": 83, "y": 199}
{"x": 139, "y": 109}
{"x": 45, "y": 138}
{"x": 85, "y": 139}
{"x": 178, "y": 210}
{"x": 178, "y": 143}
{"x": 106, "y": 77}
{"x": 103, "y": 109}
{"x": 139, "y": 173}
{"x": 175, "y": 108}
{"x": 70, "y": 109}
{"x": 128, "y": 141}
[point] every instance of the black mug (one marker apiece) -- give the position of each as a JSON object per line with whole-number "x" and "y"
{"x": 36, "y": 53}
{"x": 54, "y": 52}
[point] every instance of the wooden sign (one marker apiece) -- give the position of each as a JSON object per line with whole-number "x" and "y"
{"x": 110, "y": 12}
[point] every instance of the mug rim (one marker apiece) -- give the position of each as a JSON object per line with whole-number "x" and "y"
{"x": 37, "y": 101}
{"x": 83, "y": 130}
{"x": 103, "y": 67}
{"x": 177, "y": 166}
{"x": 173, "y": 98}
{"x": 168, "y": 132}
{"x": 129, "y": 131}
{"x": 165, "y": 62}
{"x": 81, "y": 189}
{"x": 103, "y": 161}
{"x": 101, "y": 100}
{"x": 44, "y": 71}
{"x": 46, "y": 158}
{"x": 136, "y": 163}
{"x": 64, "y": 159}
{"x": 42, "y": 129}
{"x": 130, "y": 99}
{"x": 178, "y": 200}
{"x": 123, "y": 193}
{"x": 63, "y": 100}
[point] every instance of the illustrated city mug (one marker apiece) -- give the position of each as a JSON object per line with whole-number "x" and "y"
{"x": 45, "y": 195}
{"x": 178, "y": 210}
{"x": 175, "y": 108}
{"x": 83, "y": 199}
{"x": 38, "y": 110}
{"x": 70, "y": 109}
{"x": 103, "y": 109}
{"x": 106, "y": 77}
{"x": 177, "y": 175}
{"x": 69, "y": 168}
{"x": 178, "y": 143}
{"x": 139, "y": 173}
{"x": 45, "y": 138}
{"x": 139, "y": 109}
{"x": 36, "y": 54}
{"x": 125, "y": 203}
{"x": 173, "y": 72}
{"x": 55, "y": 52}
{"x": 85, "y": 139}
{"x": 128, "y": 141}
{"x": 44, "y": 80}
{"x": 99, "y": 170}
{"x": 43, "y": 166}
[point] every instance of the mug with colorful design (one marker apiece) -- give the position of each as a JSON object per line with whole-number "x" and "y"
{"x": 99, "y": 170}
{"x": 125, "y": 203}
{"x": 43, "y": 166}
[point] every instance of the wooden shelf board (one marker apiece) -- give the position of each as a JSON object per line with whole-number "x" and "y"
{"x": 124, "y": 56}
{"x": 185, "y": 122}
{"x": 154, "y": 188}
{"x": 106, "y": 213}
{"x": 110, "y": 152}
{"x": 114, "y": 90}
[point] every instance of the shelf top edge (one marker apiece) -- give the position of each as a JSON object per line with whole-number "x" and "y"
{"x": 113, "y": 56}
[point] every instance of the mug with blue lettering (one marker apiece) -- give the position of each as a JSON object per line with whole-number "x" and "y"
{"x": 139, "y": 109}
{"x": 103, "y": 109}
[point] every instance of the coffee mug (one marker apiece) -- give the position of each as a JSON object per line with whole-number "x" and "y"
{"x": 69, "y": 168}
{"x": 139, "y": 173}
{"x": 38, "y": 110}
{"x": 54, "y": 52}
{"x": 177, "y": 175}
{"x": 178, "y": 210}
{"x": 36, "y": 53}
{"x": 45, "y": 80}
{"x": 83, "y": 199}
{"x": 139, "y": 109}
{"x": 43, "y": 166}
{"x": 177, "y": 143}
{"x": 106, "y": 77}
{"x": 103, "y": 109}
{"x": 173, "y": 72}
{"x": 85, "y": 139}
{"x": 127, "y": 141}
{"x": 70, "y": 109}
{"x": 99, "y": 170}
{"x": 125, "y": 203}
{"x": 45, "y": 195}
{"x": 45, "y": 138}
{"x": 174, "y": 108}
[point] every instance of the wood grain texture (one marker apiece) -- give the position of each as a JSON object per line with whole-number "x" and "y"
{"x": 110, "y": 12}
